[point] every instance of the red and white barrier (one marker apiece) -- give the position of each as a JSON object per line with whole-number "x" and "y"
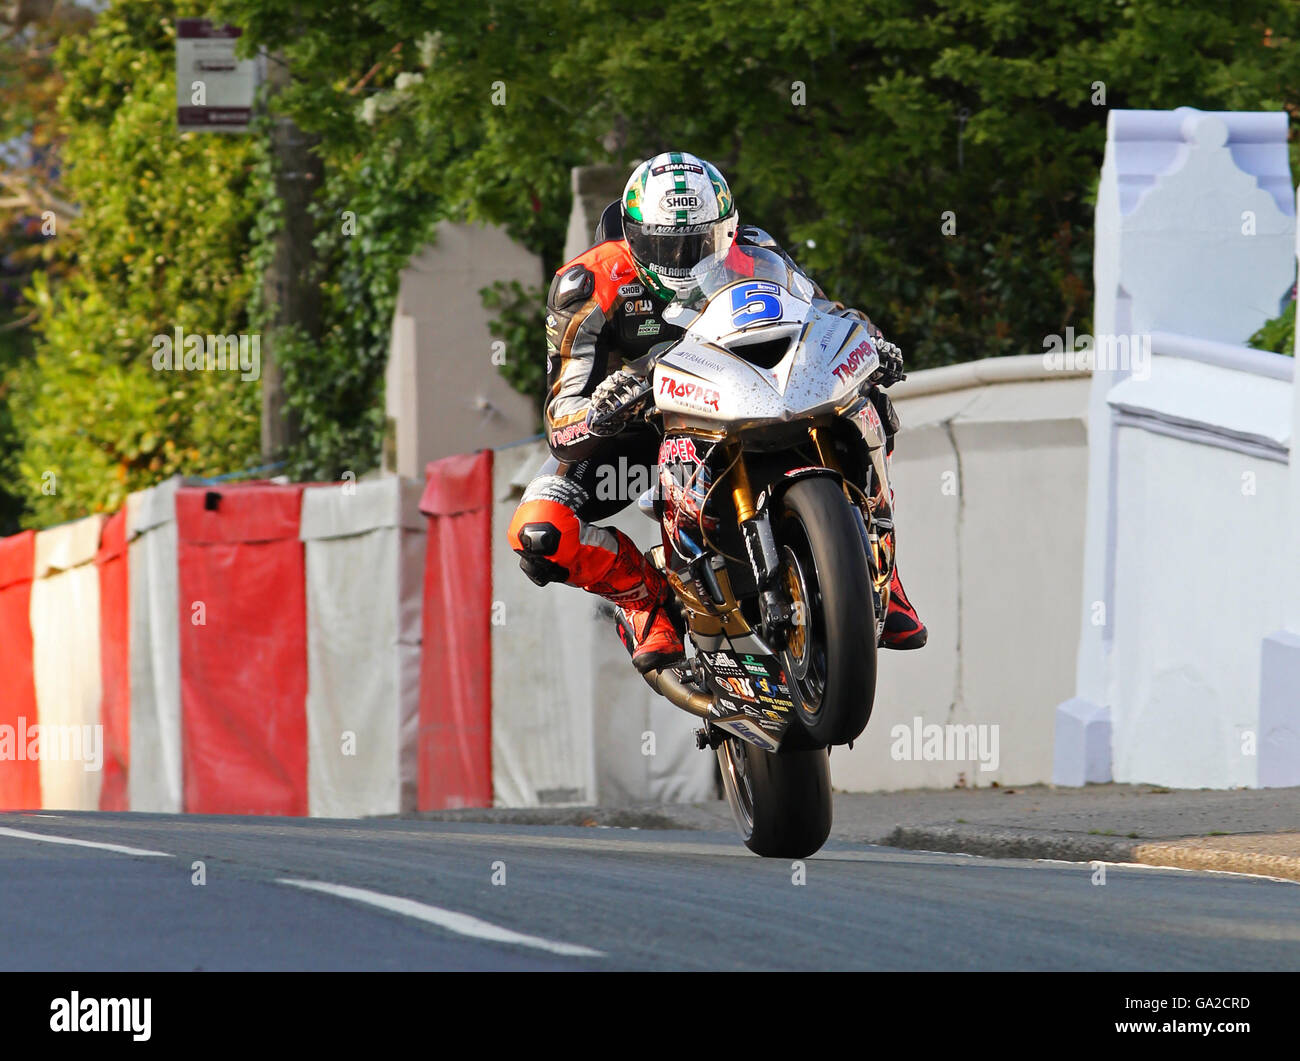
{"x": 114, "y": 662}
{"x": 243, "y": 648}
{"x": 66, "y": 664}
{"x": 154, "y": 781}
{"x": 334, "y": 650}
{"x": 20, "y": 776}
{"x": 456, "y": 706}
{"x": 364, "y": 576}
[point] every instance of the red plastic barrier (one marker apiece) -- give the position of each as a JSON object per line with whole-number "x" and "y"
{"x": 115, "y": 661}
{"x": 455, "y": 736}
{"x": 20, "y": 777}
{"x": 243, "y": 618}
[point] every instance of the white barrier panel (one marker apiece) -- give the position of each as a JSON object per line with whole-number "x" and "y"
{"x": 65, "y": 664}
{"x": 572, "y": 722}
{"x": 154, "y": 782}
{"x": 365, "y": 569}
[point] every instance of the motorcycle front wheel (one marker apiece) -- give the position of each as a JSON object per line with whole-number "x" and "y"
{"x": 781, "y": 801}
{"x": 830, "y": 654}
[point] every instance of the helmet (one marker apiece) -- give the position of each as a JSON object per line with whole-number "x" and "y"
{"x": 677, "y": 211}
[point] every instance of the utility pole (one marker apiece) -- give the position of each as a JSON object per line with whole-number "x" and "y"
{"x": 290, "y": 286}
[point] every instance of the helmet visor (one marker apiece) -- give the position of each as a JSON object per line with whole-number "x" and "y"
{"x": 675, "y": 250}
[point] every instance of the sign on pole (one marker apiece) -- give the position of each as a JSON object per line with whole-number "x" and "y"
{"x": 214, "y": 90}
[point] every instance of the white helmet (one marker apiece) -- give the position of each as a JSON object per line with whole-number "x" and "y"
{"x": 677, "y": 211}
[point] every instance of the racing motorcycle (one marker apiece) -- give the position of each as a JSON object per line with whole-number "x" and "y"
{"x": 777, "y": 534}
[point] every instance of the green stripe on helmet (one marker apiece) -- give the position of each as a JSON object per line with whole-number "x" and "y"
{"x": 679, "y": 176}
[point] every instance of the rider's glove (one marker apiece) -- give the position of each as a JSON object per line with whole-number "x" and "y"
{"x": 891, "y": 363}
{"x": 615, "y": 401}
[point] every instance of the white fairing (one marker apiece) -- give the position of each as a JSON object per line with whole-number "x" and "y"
{"x": 704, "y": 381}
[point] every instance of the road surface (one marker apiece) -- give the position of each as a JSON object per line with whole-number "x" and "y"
{"x": 313, "y": 894}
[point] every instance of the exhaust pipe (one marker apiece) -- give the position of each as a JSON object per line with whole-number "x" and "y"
{"x": 668, "y": 685}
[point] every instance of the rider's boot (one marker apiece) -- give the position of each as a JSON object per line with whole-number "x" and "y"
{"x": 554, "y": 545}
{"x": 640, "y": 594}
{"x": 903, "y": 627}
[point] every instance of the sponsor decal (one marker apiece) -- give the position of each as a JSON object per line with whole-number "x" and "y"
{"x": 741, "y": 687}
{"x": 778, "y": 703}
{"x": 805, "y": 468}
{"x": 550, "y": 320}
{"x": 650, "y": 327}
{"x": 682, "y": 201}
{"x": 742, "y": 727}
{"x": 682, "y": 449}
{"x": 688, "y": 393}
{"x": 569, "y": 434}
{"x": 691, "y": 355}
{"x": 628, "y": 290}
{"x": 640, "y": 305}
{"x": 727, "y": 705}
{"x": 676, "y": 167}
{"x": 720, "y": 661}
{"x": 773, "y": 688}
{"x": 754, "y": 666}
{"x": 774, "y": 716}
{"x": 873, "y": 419}
{"x": 853, "y": 360}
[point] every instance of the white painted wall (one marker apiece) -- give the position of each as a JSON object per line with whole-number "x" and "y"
{"x": 443, "y": 393}
{"x": 989, "y": 480}
{"x": 1195, "y": 237}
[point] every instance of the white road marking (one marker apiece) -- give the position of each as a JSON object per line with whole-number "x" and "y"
{"x": 45, "y": 838}
{"x": 462, "y": 924}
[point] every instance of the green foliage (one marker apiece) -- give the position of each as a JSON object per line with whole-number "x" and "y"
{"x": 160, "y": 242}
{"x": 934, "y": 165}
{"x": 839, "y": 128}
{"x": 1278, "y": 335}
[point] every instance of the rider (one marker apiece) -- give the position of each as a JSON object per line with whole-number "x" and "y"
{"x": 604, "y": 308}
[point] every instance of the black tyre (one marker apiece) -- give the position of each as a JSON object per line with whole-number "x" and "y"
{"x": 781, "y": 801}
{"x": 830, "y": 657}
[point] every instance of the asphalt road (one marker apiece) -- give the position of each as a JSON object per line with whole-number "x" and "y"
{"x": 402, "y": 894}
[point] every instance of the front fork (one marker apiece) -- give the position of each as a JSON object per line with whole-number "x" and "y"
{"x": 756, "y": 529}
{"x": 875, "y": 526}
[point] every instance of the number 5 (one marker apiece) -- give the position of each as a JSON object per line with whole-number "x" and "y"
{"x": 754, "y": 302}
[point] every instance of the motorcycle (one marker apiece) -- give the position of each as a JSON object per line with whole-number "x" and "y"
{"x": 774, "y": 505}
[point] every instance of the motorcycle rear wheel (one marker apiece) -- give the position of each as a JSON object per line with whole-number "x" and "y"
{"x": 781, "y": 800}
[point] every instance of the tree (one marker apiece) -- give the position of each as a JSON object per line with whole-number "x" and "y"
{"x": 162, "y": 240}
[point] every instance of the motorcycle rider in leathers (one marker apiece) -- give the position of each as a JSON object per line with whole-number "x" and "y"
{"x": 605, "y": 308}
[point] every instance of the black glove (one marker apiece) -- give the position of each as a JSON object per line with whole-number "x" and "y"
{"x": 615, "y": 401}
{"x": 891, "y": 363}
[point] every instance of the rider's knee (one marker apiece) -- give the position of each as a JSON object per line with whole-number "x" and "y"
{"x": 545, "y": 530}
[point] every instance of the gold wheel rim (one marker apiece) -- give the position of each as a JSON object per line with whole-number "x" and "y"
{"x": 796, "y": 638}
